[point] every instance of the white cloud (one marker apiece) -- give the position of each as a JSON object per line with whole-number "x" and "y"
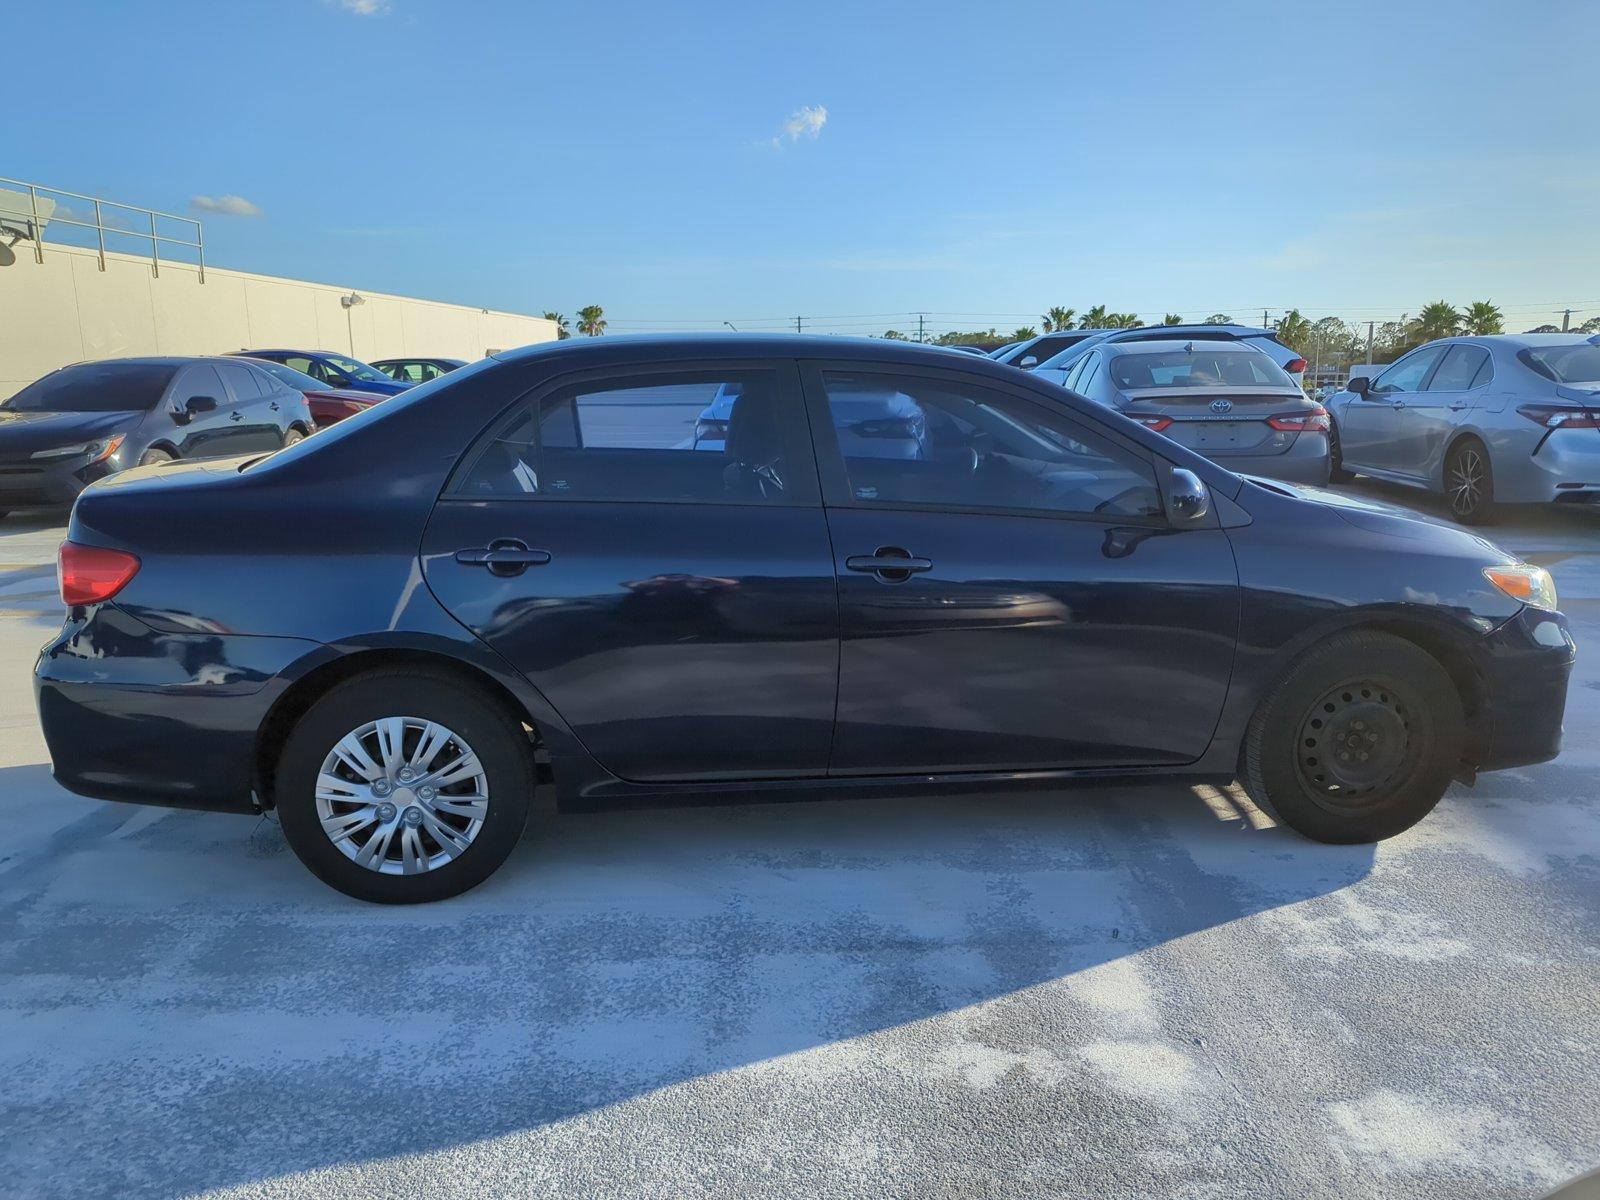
{"x": 364, "y": 8}
{"x": 231, "y": 206}
{"x": 806, "y": 122}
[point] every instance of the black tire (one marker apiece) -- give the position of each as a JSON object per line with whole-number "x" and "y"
{"x": 292, "y": 437}
{"x": 155, "y": 458}
{"x": 1469, "y": 482}
{"x": 498, "y": 741}
{"x": 1336, "y": 471}
{"x": 1356, "y": 694}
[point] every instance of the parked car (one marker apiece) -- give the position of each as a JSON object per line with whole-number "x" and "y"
{"x": 1038, "y": 350}
{"x": 1482, "y": 420}
{"x": 418, "y": 370}
{"x": 1265, "y": 340}
{"x": 868, "y": 421}
{"x": 379, "y": 633}
{"x": 332, "y": 370}
{"x": 1222, "y": 399}
{"x": 328, "y": 405}
{"x": 84, "y": 422}
{"x": 964, "y": 348}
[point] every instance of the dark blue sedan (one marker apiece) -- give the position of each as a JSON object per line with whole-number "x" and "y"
{"x": 390, "y": 631}
{"x": 333, "y": 370}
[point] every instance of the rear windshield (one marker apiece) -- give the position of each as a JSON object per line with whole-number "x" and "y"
{"x": 1197, "y": 369}
{"x": 96, "y": 387}
{"x": 1578, "y": 363}
{"x": 298, "y": 380}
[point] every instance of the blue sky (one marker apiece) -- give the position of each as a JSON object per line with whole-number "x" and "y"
{"x": 981, "y": 162}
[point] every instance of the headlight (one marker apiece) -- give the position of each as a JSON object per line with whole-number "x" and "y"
{"x": 1532, "y": 585}
{"x": 97, "y": 451}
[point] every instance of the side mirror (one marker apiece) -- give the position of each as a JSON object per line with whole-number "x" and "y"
{"x": 1190, "y": 498}
{"x": 1028, "y": 360}
{"x": 193, "y": 407}
{"x": 1359, "y": 385}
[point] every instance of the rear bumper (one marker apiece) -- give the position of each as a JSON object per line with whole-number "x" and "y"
{"x": 1526, "y": 667}
{"x": 158, "y": 718}
{"x": 1306, "y": 461}
{"x": 1566, "y": 465}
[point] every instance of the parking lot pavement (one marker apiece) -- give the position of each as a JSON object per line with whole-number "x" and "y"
{"x": 1136, "y": 992}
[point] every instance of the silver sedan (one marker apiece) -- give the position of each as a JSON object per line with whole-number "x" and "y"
{"x": 1508, "y": 419}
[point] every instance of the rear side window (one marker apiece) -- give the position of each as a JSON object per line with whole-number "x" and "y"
{"x": 242, "y": 380}
{"x": 96, "y": 387}
{"x": 734, "y": 437}
{"x": 1460, "y": 369}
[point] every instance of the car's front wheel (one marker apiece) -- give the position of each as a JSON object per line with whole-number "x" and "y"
{"x": 401, "y": 787}
{"x": 1469, "y": 482}
{"x": 1358, "y": 741}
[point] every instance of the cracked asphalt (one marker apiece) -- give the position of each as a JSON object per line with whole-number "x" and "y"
{"x": 1136, "y": 992}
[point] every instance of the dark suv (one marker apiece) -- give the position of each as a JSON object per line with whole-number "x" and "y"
{"x": 90, "y": 420}
{"x": 385, "y": 632}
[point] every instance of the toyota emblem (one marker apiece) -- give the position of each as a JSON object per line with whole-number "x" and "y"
{"x": 1221, "y": 406}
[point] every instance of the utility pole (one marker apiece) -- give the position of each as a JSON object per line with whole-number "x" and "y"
{"x": 1566, "y": 321}
{"x": 921, "y": 337}
{"x": 797, "y": 321}
{"x": 1370, "y": 324}
{"x": 1265, "y": 324}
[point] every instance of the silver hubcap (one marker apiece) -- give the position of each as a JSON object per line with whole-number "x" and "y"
{"x": 1466, "y": 481}
{"x": 402, "y": 795}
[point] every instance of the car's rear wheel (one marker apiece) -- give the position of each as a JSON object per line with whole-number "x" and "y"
{"x": 292, "y": 437}
{"x": 1469, "y": 482}
{"x": 1336, "y": 471}
{"x": 1358, "y": 741}
{"x": 155, "y": 458}
{"x": 402, "y": 787}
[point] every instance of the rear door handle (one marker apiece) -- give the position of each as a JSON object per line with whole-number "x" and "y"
{"x": 889, "y": 563}
{"x": 503, "y": 556}
{"x": 274, "y": 406}
{"x": 235, "y": 416}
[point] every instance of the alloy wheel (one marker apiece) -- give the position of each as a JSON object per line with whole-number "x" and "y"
{"x": 402, "y": 795}
{"x": 1467, "y": 474}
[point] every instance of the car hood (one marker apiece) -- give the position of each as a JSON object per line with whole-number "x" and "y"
{"x": 1377, "y": 517}
{"x": 24, "y": 432}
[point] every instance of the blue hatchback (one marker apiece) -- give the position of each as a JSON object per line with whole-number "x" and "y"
{"x": 389, "y": 632}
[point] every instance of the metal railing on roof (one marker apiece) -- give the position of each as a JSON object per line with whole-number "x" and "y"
{"x": 25, "y": 213}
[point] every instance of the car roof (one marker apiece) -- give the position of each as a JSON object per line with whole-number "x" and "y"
{"x": 151, "y": 360}
{"x": 600, "y": 350}
{"x": 288, "y": 350}
{"x": 1526, "y": 339}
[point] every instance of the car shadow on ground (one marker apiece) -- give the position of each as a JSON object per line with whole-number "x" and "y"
{"x": 172, "y": 983}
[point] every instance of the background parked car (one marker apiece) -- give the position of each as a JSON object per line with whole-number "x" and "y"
{"x": 1036, "y": 351}
{"x": 870, "y": 422}
{"x": 1257, "y": 338}
{"x": 332, "y": 370}
{"x": 418, "y": 370}
{"x": 328, "y": 406}
{"x": 1508, "y": 418}
{"x": 1222, "y": 399}
{"x": 90, "y": 420}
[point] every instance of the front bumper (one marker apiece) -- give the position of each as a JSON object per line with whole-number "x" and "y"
{"x": 48, "y": 484}
{"x": 1525, "y": 668}
{"x": 133, "y": 714}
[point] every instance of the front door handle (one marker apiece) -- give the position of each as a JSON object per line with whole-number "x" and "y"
{"x": 504, "y": 557}
{"x": 889, "y": 563}
{"x": 235, "y": 416}
{"x": 274, "y": 406}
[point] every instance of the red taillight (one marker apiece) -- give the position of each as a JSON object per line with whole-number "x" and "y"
{"x": 1295, "y": 366}
{"x": 1155, "y": 423}
{"x": 92, "y": 574}
{"x": 1560, "y": 416}
{"x": 1313, "y": 421}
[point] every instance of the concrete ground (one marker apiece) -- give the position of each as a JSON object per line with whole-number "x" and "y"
{"x": 1102, "y": 993}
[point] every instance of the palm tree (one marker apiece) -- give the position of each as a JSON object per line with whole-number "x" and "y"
{"x": 562, "y": 332}
{"x": 1172, "y": 319}
{"x": 1483, "y": 318}
{"x": 1123, "y": 320}
{"x": 1294, "y": 330}
{"x": 1057, "y": 319}
{"x": 1437, "y": 320}
{"x": 591, "y": 320}
{"x": 1095, "y": 318}
{"x": 1023, "y": 332}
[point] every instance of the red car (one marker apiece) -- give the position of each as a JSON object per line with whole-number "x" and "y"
{"x": 328, "y": 405}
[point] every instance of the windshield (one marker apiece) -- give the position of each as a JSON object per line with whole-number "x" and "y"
{"x": 298, "y": 380}
{"x": 1197, "y": 369}
{"x": 96, "y": 387}
{"x": 1578, "y": 363}
{"x": 358, "y": 370}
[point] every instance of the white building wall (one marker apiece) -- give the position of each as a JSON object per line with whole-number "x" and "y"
{"x": 66, "y": 310}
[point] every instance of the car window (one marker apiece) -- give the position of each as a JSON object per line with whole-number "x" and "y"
{"x": 241, "y": 380}
{"x": 312, "y": 367}
{"x": 96, "y": 387}
{"x": 1407, "y": 374}
{"x": 1458, "y": 369}
{"x": 1196, "y": 368}
{"x": 1050, "y": 345}
{"x": 736, "y": 437}
{"x": 200, "y": 380}
{"x": 1071, "y": 381}
{"x": 1571, "y": 363}
{"x": 909, "y": 439}
{"x": 1090, "y": 366}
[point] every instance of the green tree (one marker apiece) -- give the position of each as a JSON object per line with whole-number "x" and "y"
{"x": 1123, "y": 320}
{"x": 591, "y": 320}
{"x": 1294, "y": 331}
{"x": 1482, "y": 318}
{"x": 1172, "y": 319}
{"x": 1592, "y": 325}
{"x": 1095, "y": 318}
{"x": 1023, "y": 333}
{"x": 1545, "y": 329}
{"x": 894, "y": 335}
{"x": 1057, "y": 319}
{"x": 1437, "y": 320}
{"x": 1218, "y": 319}
{"x": 562, "y": 332}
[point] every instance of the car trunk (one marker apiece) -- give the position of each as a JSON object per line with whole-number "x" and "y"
{"x": 1240, "y": 427}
